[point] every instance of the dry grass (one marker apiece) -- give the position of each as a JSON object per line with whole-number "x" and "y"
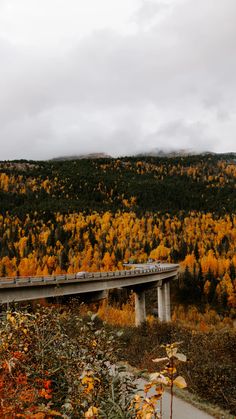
{"x": 116, "y": 316}
{"x": 207, "y": 321}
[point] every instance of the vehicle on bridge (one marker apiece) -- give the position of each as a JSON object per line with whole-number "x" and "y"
{"x": 148, "y": 265}
{"x": 82, "y": 274}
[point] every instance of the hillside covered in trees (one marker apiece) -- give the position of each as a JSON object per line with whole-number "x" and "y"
{"x": 65, "y": 216}
{"x": 202, "y": 183}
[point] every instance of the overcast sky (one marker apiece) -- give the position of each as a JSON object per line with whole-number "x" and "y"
{"x": 116, "y": 76}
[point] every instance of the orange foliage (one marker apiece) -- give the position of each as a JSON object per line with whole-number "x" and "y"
{"x": 204, "y": 321}
{"x": 102, "y": 242}
{"x": 124, "y": 316}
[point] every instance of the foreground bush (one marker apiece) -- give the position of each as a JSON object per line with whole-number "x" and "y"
{"x": 53, "y": 363}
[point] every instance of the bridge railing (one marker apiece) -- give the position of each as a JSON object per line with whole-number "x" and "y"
{"x": 87, "y": 276}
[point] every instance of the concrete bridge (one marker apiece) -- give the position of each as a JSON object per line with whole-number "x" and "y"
{"x": 96, "y": 285}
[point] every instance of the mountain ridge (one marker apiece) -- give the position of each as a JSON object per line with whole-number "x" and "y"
{"x": 168, "y": 153}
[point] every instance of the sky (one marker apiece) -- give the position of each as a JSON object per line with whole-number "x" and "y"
{"x": 116, "y": 76}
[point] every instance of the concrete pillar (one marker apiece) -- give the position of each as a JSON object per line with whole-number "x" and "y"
{"x": 163, "y": 296}
{"x": 140, "y": 308}
{"x": 161, "y": 303}
{"x": 167, "y": 301}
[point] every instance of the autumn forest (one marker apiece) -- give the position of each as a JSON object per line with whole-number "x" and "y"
{"x": 65, "y": 216}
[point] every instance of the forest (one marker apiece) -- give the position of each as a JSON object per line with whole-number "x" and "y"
{"x": 149, "y": 184}
{"x": 95, "y": 214}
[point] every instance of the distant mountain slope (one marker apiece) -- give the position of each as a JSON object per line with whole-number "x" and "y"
{"x": 82, "y": 156}
{"x": 203, "y": 182}
{"x": 158, "y": 152}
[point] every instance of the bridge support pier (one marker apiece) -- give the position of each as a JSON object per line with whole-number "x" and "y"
{"x": 163, "y": 296}
{"x": 167, "y": 301}
{"x": 160, "y": 302}
{"x": 140, "y": 307}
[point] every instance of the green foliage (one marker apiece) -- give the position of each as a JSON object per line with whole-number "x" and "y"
{"x": 202, "y": 183}
{"x": 121, "y": 391}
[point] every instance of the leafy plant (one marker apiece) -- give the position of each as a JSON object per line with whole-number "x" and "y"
{"x": 149, "y": 406}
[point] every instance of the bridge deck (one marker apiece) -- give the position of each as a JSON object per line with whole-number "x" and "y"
{"x": 30, "y": 288}
{"x": 11, "y": 282}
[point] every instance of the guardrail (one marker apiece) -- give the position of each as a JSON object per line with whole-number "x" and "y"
{"x": 88, "y": 276}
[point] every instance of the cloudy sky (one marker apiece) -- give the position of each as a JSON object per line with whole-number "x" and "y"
{"x": 116, "y": 76}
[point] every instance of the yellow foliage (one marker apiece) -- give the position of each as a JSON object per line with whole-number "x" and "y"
{"x": 102, "y": 242}
{"x": 119, "y": 317}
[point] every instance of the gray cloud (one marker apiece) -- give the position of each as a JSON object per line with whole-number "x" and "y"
{"x": 189, "y": 135}
{"x": 149, "y": 11}
{"x": 170, "y": 84}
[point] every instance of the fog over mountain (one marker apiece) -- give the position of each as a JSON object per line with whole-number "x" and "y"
{"x": 120, "y": 77}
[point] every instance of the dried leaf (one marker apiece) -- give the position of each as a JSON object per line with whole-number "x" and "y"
{"x": 180, "y": 382}
{"x": 181, "y": 357}
{"x": 171, "y": 352}
{"x": 160, "y": 359}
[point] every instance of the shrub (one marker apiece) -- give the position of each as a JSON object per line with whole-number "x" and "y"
{"x": 210, "y": 371}
{"x": 53, "y": 362}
